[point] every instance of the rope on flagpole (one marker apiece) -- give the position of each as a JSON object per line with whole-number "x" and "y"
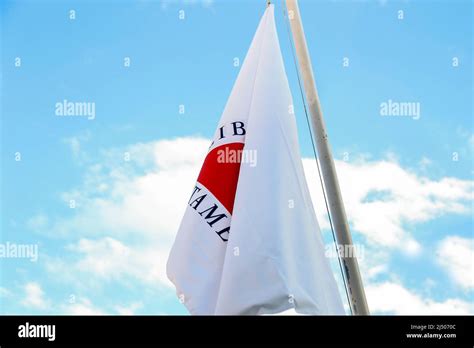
{"x": 314, "y": 148}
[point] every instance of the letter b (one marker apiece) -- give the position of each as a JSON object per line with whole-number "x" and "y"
{"x": 238, "y": 126}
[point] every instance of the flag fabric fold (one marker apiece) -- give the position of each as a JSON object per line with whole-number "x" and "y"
{"x": 249, "y": 241}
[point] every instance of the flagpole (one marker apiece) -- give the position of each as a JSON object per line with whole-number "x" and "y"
{"x": 353, "y": 280}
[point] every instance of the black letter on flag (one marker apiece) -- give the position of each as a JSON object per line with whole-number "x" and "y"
{"x": 210, "y": 216}
{"x": 197, "y": 201}
{"x": 196, "y": 189}
{"x": 225, "y": 230}
{"x": 234, "y": 124}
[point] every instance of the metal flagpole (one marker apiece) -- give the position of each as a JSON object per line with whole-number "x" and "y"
{"x": 350, "y": 266}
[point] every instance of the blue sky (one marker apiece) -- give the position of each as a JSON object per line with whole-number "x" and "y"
{"x": 424, "y": 166}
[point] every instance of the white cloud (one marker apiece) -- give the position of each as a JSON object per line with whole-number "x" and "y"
{"x": 393, "y": 298}
{"x": 376, "y": 270}
{"x": 82, "y": 307}
{"x": 130, "y": 309}
{"x": 37, "y": 222}
{"x": 456, "y": 255}
{"x": 106, "y": 257}
{"x": 34, "y": 296}
{"x": 4, "y": 292}
{"x": 425, "y": 163}
{"x": 75, "y": 145}
{"x": 109, "y": 259}
{"x": 384, "y": 200}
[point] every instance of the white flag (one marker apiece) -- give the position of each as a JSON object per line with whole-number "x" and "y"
{"x": 249, "y": 241}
